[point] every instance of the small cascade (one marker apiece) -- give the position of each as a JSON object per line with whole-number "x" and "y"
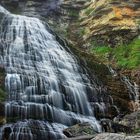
{"x": 103, "y": 104}
{"x": 133, "y": 89}
{"x": 133, "y": 92}
{"x": 112, "y": 71}
{"x": 47, "y": 89}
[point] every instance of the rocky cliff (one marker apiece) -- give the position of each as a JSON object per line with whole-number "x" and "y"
{"x": 110, "y": 21}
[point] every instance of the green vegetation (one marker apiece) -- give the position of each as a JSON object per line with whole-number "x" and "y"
{"x": 88, "y": 11}
{"x": 125, "y": 56}
{"x": 102, "y": 52}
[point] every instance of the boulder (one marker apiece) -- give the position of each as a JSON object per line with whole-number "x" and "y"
{"x": 114, "y": 136}
{"x": 113, "y": 127}
{"x": 79, "y": 130}
{"x": 132, "y": 120}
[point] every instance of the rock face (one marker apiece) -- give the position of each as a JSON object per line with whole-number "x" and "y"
{"x": 132, "y": 120}
{"x": 36, "y": 8}
{"x": 113, "y": 136}
{"x": 2, "y": 96}
{"x": 120, "y": 94}
{"x": 111, "y": 21}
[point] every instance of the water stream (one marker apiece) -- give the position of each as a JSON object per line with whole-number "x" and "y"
{"x": 46, "y": 87}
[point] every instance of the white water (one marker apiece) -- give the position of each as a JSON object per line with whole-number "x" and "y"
{"x": 44, "y": 81}
{"x": 113, "y": 72}
{"x": 133, "y": 90}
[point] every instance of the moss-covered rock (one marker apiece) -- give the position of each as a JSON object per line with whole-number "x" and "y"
{"x": 79, "y": 130}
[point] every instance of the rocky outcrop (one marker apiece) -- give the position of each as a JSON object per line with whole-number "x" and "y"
{"x": 120, "y": 94}
{"x": 114, "y": 127}
{"x": 2, "y": 84}
{"x": 113, "y": 136}
{"x": 106, "y": 136}
{"x": 111, "y": 22}
{"x": 132, "y": 120}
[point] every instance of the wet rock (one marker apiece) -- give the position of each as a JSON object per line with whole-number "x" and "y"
{"x": 79, "y": 130}
{"x": 132, "y": 120}
{"x": 106, "y": 125}
{"x": 86, "y": 137}
{"x": 2, "y": 109}
{"x": 6, "y": 133}
{"x": 113, "y": 127}
{"x": 121, "y": 128}
{"x": 3, "y": 94}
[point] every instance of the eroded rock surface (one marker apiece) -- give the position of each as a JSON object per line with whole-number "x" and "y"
{"x": 111, "y": 22}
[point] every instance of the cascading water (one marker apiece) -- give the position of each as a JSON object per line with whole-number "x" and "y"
{"x": 46, "y": 88}
{"x": 133, "y": 90}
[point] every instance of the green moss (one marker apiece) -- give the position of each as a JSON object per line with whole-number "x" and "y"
{"x": 102, "y": 52}
{"x": 125, "y": 56}
{"x": 129, "y": 55}
{"x": 88, "y": 11}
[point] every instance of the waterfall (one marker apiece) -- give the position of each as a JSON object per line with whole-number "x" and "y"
{"x": 133, "y": 90}
{"x": 47, "y": 90}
